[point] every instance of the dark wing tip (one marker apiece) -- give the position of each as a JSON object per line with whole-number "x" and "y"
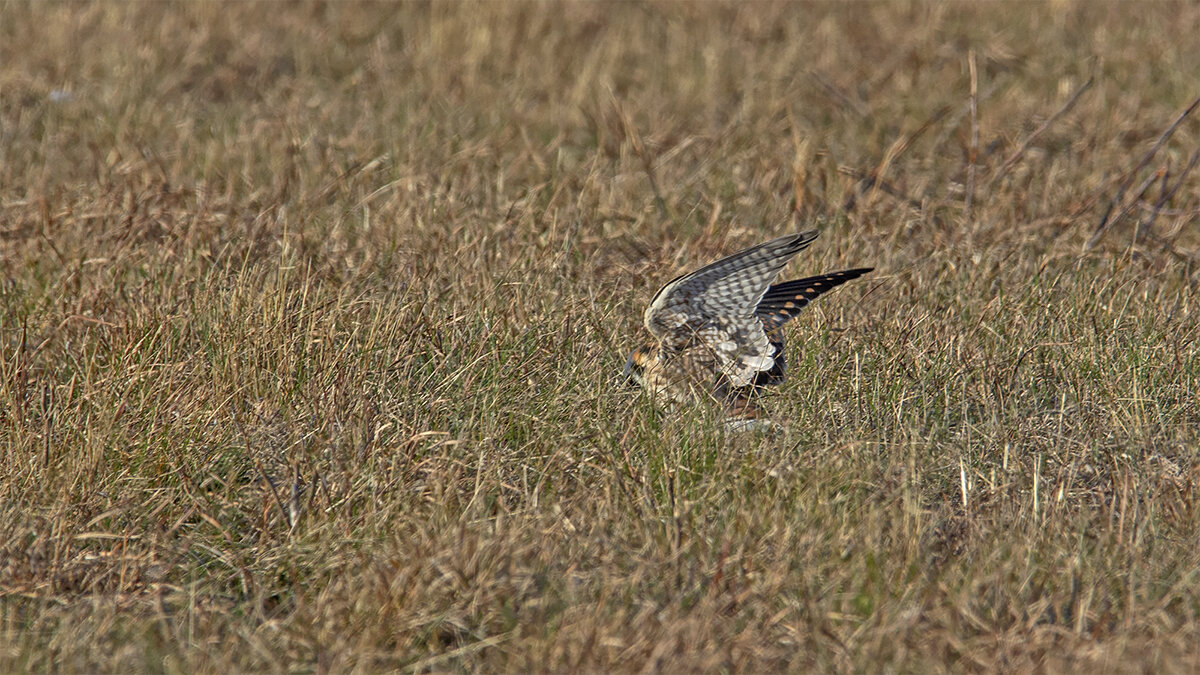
{"x": 782, "y": 302}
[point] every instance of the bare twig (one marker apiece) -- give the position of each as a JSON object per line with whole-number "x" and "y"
{"x": 837, "y": 94}
{"x": 1105, "y": 221}
{"x": 1160, "y": 206}
{"x": 901, "y": 146}
{"x": 868, "y": 182}
{"x": 1147, "y": 207}
{"x": 973, "y": 151}
{"x": 1020, "y": 151}
{"x": 1164, "y": 178}
{"x": 872, "y": 179}
{"x": 1168, "y": 194}
{"x": 1161, "y": 175}
{"x": 963, "y": 110}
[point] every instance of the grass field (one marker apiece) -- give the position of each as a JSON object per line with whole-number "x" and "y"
{"x": 312, "y": 318}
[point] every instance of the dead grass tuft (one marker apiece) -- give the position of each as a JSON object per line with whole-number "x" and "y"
{"x": 311, "y": 317}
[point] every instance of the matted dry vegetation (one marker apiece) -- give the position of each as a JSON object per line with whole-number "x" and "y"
{"x": 312, "y": 316}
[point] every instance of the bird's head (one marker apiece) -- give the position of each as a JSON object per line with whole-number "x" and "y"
{"x": 635, "y": 365}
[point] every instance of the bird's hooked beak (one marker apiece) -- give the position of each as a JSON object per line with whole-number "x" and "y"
{"x": 627, "y": 374}
{"x": 632, "y": 375}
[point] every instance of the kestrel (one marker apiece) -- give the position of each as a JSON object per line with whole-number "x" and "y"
{"x": 718, "y": 330}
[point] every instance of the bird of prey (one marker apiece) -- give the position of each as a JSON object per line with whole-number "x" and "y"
{"x": 718, "y": 334}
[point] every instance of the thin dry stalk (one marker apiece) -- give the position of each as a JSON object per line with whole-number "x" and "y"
{"x": 871, "y": 180}
{"x": 1167, "y": 194}
{"x": 973, "y": 150}
{"x": 1024, "y": 146}
{"x": 1119, "y": 197}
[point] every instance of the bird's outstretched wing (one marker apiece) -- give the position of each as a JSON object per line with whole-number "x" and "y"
{"x": 715, "y": 306}
{"x": 782, "y": 302}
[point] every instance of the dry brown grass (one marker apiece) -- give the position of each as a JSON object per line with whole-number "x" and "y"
{"x": 311, "y": 316}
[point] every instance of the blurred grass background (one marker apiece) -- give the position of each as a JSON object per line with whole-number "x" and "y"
{"x": 312, "y": 316}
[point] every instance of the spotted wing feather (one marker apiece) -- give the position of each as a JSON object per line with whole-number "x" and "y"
{"x": 783, "y": 302}
{"x": 716, "y": 306}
